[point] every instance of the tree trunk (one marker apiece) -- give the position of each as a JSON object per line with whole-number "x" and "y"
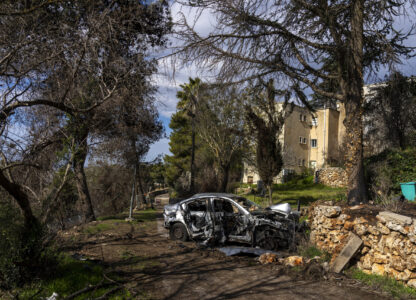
{"x": 139, "y": 183}
{"x": 270, "y": 189}
{"x": 81, "y": 180}
{"x": 192, "y": 183}
{"x": 31, "y": 223}
{"x": 225, "y": 175}
{"x": 354, "y": 109}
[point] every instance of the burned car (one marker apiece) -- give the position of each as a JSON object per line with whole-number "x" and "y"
{"x": 215, "y": 218}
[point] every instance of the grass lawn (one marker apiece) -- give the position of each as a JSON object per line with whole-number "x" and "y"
{"x": 396, "y": 289}
{"x": 71, "y": 276}
{"x": 303, "y": 190}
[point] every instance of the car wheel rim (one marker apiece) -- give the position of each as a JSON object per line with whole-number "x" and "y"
{"x": 177, "y": 233}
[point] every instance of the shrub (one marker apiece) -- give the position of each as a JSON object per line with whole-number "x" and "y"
{"x": 387, "y": 170}
{"x": 21, "y": 251}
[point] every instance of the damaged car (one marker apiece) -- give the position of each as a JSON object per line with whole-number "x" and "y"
{"x": 214, "y": 218}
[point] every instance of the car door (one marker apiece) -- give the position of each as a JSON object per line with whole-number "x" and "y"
{"x": 231, "y": 218}
{"x": 198, "y": 218}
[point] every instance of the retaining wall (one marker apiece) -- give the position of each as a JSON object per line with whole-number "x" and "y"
{"x": 334, "y": 177}
{"x": 389, "y": 239}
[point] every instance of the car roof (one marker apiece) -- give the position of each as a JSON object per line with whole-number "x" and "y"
{"x": 214, "y": 195}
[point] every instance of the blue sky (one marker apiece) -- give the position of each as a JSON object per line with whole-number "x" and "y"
{"x": 168, "y": 79}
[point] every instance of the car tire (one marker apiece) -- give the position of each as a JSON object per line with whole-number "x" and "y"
{"x": 266, "y": 239}
{"x": 178, "y": 232}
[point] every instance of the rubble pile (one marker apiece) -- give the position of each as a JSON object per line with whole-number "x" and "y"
{"x": 268, "y": 258}
{"x": 334, "y": 177}
{"x": 389, "y": 240}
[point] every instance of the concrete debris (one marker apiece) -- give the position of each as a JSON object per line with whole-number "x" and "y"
{"x": 294, "y": 261}
{"x": 268, "y": 258}
{"x": 347, "y": 253}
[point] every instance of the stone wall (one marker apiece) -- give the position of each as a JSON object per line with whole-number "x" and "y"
{"x": 389, "y": 239}
{"x": 334, "y": 177}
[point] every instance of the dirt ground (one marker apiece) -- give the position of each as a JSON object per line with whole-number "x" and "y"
{"x": 155, "y": 267}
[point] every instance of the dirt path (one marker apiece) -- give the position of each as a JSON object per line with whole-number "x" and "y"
{"x": 158, "y": 268}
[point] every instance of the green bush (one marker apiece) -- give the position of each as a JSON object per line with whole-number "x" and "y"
{"x": 21, "y": 251}
{"x": 390, "y": 168}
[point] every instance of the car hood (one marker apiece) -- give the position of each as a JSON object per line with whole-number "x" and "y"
{"x": 171, "y": 207}
{"x": 283, "y": 207}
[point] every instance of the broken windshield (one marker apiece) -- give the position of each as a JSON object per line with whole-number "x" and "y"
{"x": 247, "y": 204}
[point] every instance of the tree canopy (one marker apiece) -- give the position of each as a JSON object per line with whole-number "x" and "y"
{"x": 292, "y": 40}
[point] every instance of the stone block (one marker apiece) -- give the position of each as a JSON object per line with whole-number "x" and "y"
{"x": 398, "y": 263}
{"x": 330, "y": 211}
{"x": 378, "y": 269}
{"x": 380, "y": 219}
{"x": 396, "y": 227}
{"x": 380, "y": 258}
{"x": 383, "y": 229}
{"x": 410, "y": 274}
{"x": 348, "y": 225}
{"x": 360, "y": 229}
{"x": 396, "y": 218}
{"x": 412, "y": 283}
{"x": 347, "y": 253}
{"x": 411, "y": 262}
{"x": 373, "y": 230}
{"x": 365, "y": 250}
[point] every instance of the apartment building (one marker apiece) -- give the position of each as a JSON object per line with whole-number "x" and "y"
{"x": 309, "y": 140}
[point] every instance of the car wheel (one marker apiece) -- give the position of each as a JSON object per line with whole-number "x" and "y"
{"x": 266, "y": 239}
{"x": 178, "y": 232}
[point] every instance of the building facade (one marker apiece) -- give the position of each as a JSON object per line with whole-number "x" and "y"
{"x": 309, "y": 140}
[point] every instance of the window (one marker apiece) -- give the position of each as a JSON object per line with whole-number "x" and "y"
{"x": 221, "y": 205}
{"x": 313, "y": 164}
{"x": 300, "y": 162}
{"x": 302, "y": 140}
{"x": 303, "y": 162}
{"x": 314, "y": 143}
{"x": 288, "y": 172}
{"x": 197, "y": 205}
{"x": 314, "y": 121}
{"x": 250, "y": 179}
{"x": 302, "y": 118}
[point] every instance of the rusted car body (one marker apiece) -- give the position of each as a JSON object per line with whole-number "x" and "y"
{"x": 214, "y": 218}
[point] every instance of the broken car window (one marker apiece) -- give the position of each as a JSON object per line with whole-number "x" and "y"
{"x": 221, "y": 205}
{"x": 247, "y": 204}
{"x": 197, "y": 205}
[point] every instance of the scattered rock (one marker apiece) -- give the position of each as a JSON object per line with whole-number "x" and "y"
{"x": 268, "y": 258}
{"x": 293, "y": 261}
{"x": 412, "y": 283}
